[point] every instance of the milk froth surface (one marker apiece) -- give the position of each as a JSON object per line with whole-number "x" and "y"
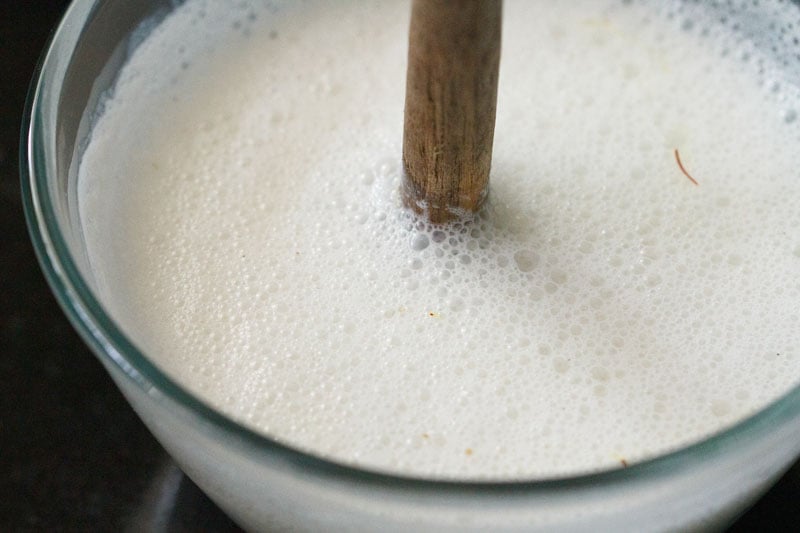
{"x": 239, "y": 198}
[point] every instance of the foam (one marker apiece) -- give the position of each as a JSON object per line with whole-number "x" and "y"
{"x": 239, "y": 198}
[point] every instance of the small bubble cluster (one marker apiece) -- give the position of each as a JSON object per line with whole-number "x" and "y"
{"x": 239, "y": 198}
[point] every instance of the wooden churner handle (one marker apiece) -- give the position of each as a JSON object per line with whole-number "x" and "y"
{"x": 451, "y": 98}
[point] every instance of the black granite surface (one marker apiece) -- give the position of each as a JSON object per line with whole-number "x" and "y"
{"x": 73, "y": 456}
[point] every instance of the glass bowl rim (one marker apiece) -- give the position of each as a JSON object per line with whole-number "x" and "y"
{"x": 112, "y": 346}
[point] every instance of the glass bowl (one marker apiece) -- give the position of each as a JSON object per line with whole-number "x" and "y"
{"x": 264, "y": 485}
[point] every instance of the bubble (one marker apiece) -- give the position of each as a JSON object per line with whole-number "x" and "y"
{"x": 419, "y": 242}
{"x": 560, "y": 365}
{"x": 559, "y": 277}
{"x": 734, "y": 260}
{"x": 600, "y": 374}
{"x": 720, "y": 408}
{"x": 653, "y": 280}
{"x": 526, "y": 260}
{"x": 456, "y": 304}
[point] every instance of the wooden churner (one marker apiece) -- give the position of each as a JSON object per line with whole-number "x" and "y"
{"x": 451, "y": 98}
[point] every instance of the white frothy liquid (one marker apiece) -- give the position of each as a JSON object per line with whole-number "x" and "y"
{"x": 240, "y": 208}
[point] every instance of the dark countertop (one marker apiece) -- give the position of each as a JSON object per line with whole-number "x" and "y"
{"x": 73, "y": 455}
